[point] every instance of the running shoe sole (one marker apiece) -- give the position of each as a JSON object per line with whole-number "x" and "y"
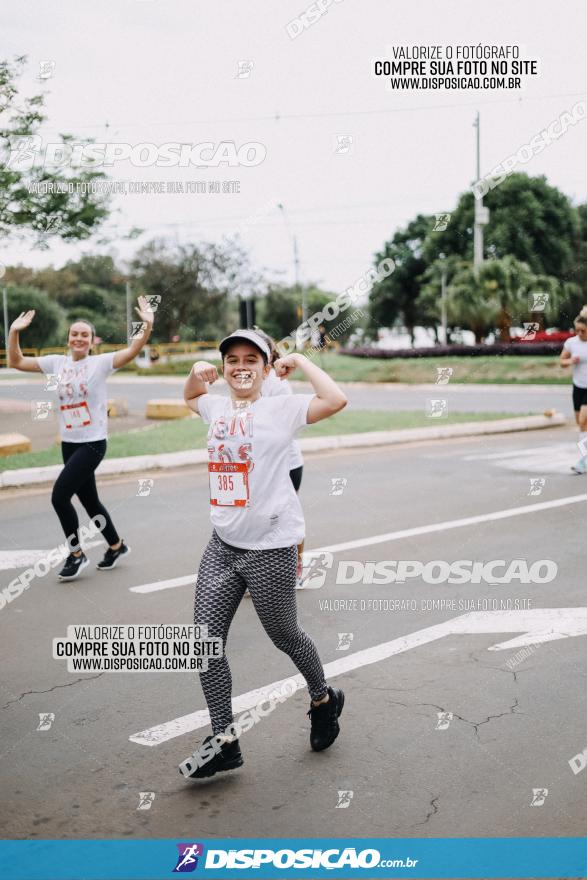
{"x": 110, "y": 567}
{"x": 72, "y": 577}
{"x": 576, "y": 471}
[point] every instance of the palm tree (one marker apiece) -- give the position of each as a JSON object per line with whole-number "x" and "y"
{"x": 497, "y": 295}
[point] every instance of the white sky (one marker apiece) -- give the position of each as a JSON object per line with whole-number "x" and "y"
{"x": 165, "y": 70}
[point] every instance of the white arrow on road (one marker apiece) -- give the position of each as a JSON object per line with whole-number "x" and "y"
{"x": 536, "y": 625}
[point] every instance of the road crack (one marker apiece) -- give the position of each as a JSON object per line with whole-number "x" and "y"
{"x": 511, "y": 710}
{"x": 475, "y": 724}
{"x": 55, "y": 687}
{"x": 432, "y": 812}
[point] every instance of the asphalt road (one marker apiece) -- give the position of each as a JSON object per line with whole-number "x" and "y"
{"x": 411, "y": 771}
{"x": 461, "y": 398}
{"x": 18, "y": 394}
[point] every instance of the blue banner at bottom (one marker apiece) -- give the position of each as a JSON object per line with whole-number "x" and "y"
{"x": 284, "y": 857}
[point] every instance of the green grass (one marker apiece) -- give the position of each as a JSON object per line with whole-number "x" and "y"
{"x": 504, "y": 369}
{"x": 175, "y": 436}
{"x": 501, "y": 369}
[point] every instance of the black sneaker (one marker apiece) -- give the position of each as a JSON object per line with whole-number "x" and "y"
{"x": 324, "y": 720}
{"x": 207, "y": 761}
{"x": 111, "y": 557}
{"x": 73, "y": 566}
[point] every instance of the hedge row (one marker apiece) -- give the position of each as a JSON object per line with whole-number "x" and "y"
{"x": 546, "y": 349}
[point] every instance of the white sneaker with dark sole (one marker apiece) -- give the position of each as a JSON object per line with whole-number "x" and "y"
{"x": 111, "y": 557}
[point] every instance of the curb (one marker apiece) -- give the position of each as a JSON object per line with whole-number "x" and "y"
{"x": 165, "y": 460}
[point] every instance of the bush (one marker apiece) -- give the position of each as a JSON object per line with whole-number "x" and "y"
{"x": 48, "y": 324}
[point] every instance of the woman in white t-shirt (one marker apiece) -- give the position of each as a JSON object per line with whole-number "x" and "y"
{"x": 79, "y": 379}
{"x": 574, "y": 354}
{"x": 257, "y": 524}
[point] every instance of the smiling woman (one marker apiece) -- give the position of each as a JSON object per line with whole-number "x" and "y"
{"x": 79, "y": 333}
{"x": 257, "y": 525}
{"x": 80, "y": 380}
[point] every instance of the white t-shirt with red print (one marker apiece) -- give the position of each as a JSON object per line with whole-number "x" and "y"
{"x": 273, "y": 386}
{"x": 83, "y": 398}
{"x": 578, "y": 348}
{"x": 259, "y": 510}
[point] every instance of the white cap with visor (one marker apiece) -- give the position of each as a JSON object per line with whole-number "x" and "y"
{"x": 246, "y": 336}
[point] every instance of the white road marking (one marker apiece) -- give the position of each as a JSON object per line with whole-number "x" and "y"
{"x": 536, "y": 625}
{"x": 11, "y": 559}
{"x": 554, "y": 459}
{"x": 19, "y": 558}
{"x": 395, "y": 536}
{"x": 165, "y": 585}
{"x": 454, "y": 524}
{"x": 532, "y": 450}
{"x": 555, "y": 463}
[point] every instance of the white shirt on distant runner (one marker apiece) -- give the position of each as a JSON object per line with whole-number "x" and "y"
{"x": 83, "y": 398}
{"x": 578, "y": 348}
{"x": 262, "y": 512}
{"x": 273, "y": 386}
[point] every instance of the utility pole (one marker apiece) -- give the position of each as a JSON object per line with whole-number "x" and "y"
{"x": 296, "y": 264}
{"x": 443, "y": 315}
{"x": 481, "y": 213}
{"x": 297, "y": 279}
{"x": 128, "y": 313}
{"x": 5, "y": 306}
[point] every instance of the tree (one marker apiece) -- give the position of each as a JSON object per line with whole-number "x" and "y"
{"x": 277, "y": 311}
{"x": 196, "y": 284}
{"x": 529, "y": 220}
{"x": 430, "y": 298}
{"x": 496, "y": 297}
{"x": 280, "y": 311}
{"x": 98, "y": 270}
{"x": 397, "y": 296}
{"x": 34, "y": 196}
{"x": 574, "y": 295}
{"x": 47, "y": 329}
{"x": 105, "y": 309}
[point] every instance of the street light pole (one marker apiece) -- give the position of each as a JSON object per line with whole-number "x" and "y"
{"x": 443, "y": 315}
{"x": 128, "y": 313}
{"x": 5, "y": 307}
{"x": 479, "y": 211}
{"x": 297, "y": 278}
{"x": 296, "y": 263}
{"x": 443, "y": 309}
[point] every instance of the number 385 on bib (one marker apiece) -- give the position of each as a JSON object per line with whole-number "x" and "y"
{"x": 229, "y": 484}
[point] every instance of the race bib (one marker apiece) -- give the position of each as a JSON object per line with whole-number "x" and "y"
{"x": 76, "y": 415}
{"x": 229, "y": 484}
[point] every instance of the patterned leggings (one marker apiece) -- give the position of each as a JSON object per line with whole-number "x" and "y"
{"x": 270, "y": 576}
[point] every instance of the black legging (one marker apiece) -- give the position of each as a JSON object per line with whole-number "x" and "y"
{"x": 224, "y": 574}
{"x": 77, "y": 478}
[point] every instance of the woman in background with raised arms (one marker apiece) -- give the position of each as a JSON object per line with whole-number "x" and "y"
{"x": 83, "y": 421}
{"x": 257, "y": 524}
{"x": 574, "y": 354}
